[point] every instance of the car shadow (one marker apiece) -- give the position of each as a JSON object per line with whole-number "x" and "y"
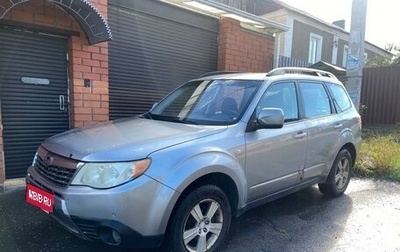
{"x": 304, "y": 221}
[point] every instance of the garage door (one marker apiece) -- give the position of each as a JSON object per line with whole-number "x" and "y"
{"x": 33, "y": 94}
{"x": 155, "y": 48}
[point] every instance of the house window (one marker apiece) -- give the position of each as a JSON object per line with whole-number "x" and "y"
{"x": 314, "y": 52}
{"x": 335, "y": 45}
{"x": 345, "y": 54}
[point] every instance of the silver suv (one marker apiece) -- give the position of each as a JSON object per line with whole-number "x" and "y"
{"x": 209, "y": 151}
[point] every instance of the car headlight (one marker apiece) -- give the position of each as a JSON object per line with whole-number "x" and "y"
{"x": 106, "y": 175}
{"x": 34, "y": 159}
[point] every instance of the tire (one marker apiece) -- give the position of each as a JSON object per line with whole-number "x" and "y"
{"x": 203, "y": 232}
{"x": 339, "y": 176}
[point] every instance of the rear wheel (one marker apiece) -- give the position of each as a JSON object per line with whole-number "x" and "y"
{"x": 202, "y": 221}
{"x": 339, "y": 177}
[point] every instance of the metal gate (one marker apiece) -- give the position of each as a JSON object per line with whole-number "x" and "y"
{"x": 155, "y": 48}
{"x": 33, "y": 94}
{"x": 380, "y": 96}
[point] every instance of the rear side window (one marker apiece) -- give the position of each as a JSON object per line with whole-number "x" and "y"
{"x": 315, "y": 100}
{"x": 341, "y": 100}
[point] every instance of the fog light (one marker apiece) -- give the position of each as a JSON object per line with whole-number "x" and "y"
{"x": 110, "y": 236}
{"x": 116, "y": 236}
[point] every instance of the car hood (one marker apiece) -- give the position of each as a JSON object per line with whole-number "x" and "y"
{"x": 124, "y": 139}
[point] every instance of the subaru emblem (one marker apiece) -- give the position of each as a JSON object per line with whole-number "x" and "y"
{"x": 48, "y": 160}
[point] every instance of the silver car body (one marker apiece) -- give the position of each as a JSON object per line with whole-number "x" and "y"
{"x": 263, "y": 165}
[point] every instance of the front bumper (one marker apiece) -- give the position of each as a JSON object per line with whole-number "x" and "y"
{"x": 135, "y": 210}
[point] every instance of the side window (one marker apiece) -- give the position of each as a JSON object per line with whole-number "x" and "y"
{"x": 315, "y": 100}
{"x": 283, "y": 96}
{"x": 342, "y": 101}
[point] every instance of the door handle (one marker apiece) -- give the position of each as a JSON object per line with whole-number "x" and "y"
{"x": 338, "y": 126}
{"x": 62, "y": 102}
{"x": 300, "y": 135}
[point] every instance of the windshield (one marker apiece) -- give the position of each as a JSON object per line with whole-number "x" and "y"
{"x": 209, "y": 102}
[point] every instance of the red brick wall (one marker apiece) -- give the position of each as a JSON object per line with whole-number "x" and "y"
{"x": 88, "y": 104}
{"x": 240, "y": 49}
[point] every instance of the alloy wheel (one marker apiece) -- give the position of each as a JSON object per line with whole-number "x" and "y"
{"x": 342, "y": 173}
{"x": 203, "y": 226}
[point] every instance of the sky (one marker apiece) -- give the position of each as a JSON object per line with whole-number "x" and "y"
{"x": 383, "y": 17}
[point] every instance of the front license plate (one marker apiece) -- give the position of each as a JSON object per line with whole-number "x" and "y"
{"x": 39, "y": 198}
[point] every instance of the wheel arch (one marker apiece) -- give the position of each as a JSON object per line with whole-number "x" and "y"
{"x": 219, "y": 179}
{"x": 352, "y": 149}
{"x": 222, "y": 180}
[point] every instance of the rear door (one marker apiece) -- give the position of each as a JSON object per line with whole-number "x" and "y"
{"x": 323, "y": 128}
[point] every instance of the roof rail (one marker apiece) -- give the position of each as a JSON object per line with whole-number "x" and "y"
{"x": 300, "y": 70}
{"x": 217, "y": 73}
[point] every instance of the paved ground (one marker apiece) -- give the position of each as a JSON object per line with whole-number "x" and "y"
{"x": 366, "y": 218}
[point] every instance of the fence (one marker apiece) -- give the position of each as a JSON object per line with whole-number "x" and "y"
{"x": 381, "y": 96}
{"x": 290, "y": 62}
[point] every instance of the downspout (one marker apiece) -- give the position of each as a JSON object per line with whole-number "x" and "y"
{"x": 277, "y": 48}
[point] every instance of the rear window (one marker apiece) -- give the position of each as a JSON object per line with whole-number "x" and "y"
{"x": 341, "y": 99}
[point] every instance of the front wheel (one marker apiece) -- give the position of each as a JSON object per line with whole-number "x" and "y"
{"x": 201, "y": 222}
{"x": 339, "y": 177}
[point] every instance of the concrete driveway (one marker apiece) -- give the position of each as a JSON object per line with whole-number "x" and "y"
{"x": 366, "y": 218}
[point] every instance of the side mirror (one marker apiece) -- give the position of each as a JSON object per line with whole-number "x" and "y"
{"x": 270, "y": 118}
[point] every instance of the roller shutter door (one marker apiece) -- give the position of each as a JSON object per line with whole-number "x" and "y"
{"x": 155, "y": 48}
{"x": 33, "y": 79}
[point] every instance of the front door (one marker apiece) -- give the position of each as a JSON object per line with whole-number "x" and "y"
{"x": 275, "y": 157}
{"x": 33, "y": 94}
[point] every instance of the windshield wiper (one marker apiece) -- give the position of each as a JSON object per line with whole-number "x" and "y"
{"x": 189, "y": 122}
{"x": 185, "y": 121}
{"x": 167, "y": 118}
{"x": 178, "y": 120}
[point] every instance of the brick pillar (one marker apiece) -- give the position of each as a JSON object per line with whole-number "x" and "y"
{"x": 89, "y": 103}
{"x": 240, "y": 49}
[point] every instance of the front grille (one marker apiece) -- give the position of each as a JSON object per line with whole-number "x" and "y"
{"x": 54, "y": 168}
{"x": 56, "y": 174}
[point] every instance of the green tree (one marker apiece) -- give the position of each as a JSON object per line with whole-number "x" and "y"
{"x": 380, "y": 61}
